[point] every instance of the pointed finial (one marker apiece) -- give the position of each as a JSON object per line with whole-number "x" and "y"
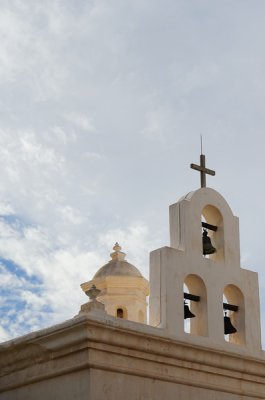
{"x": 116, "y": 247}
{"x": 117, "y": 254}
{"x": 93, "y": 293}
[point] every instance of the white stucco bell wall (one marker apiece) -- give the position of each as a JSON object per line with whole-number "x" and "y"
{"x": 210, "y": 278}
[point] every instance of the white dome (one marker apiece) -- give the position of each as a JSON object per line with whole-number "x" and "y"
{"x": 117, "y": 266}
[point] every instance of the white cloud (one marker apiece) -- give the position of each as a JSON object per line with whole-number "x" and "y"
{"x": 4, "y": 335}
{"x": 25, "y": 52}
{"x": 33, "y": 152}
{"x": 81, "y": 121}
{"x": 64, "y": 136}
{"x": 58, "y": 271}
{"x": 135, "y": 240}
{"x": 6, "y": 209}
{"x": 70, "y": 214}
{"x": 93, "y": 156}
{"x": 155, "y": 124}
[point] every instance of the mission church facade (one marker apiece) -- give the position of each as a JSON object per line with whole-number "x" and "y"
{"x": 202, "y": 338}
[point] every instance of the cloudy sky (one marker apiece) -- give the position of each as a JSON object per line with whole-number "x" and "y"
{"x": 102, "y": 104}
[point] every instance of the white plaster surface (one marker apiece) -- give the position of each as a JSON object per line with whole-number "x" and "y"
{"x": 183, "y": 262}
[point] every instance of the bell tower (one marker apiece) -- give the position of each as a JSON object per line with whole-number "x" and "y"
{"x": 197, "y": 286}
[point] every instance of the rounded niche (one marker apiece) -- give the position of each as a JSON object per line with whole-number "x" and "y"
{"x": 212, "y": 217}
{"x": 199, "y": 324}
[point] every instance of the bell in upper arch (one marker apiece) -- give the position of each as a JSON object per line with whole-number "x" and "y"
{"x": 187, "y": 312}
{"x": 207, "y": 244}
{"x": 228, "y": 327}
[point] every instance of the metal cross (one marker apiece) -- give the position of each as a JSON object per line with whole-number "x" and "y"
{"x": 203, "y": 170}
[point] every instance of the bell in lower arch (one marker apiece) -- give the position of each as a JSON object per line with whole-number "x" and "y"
{"x": 229, "y": 328}
{"x": 207, "y": 244}
{"x": 187, "y": 312}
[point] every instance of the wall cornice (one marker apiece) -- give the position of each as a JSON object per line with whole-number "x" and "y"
{"x": 129, "y": 348}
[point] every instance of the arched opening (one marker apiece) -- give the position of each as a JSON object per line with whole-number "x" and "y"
{"x": 121, "y": 313}
{"x": 197, "y": 325}
{"x": 186, "y": 303}
{"x": 227, "y": 314}
{"x": 212, "y": 218}
{"x": 233, "y": 296}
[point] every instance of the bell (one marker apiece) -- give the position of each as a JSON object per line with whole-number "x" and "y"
{"x": 229, "y": 328}
{"x": 207, "y": 244}
{"x": 187, "y": 312}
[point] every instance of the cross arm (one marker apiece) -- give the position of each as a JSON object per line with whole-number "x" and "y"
{"x": 202, "y": 169}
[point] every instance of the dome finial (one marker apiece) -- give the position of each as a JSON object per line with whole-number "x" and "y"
{"x": 117, "y": 247}
{"x": 117, "y": 254}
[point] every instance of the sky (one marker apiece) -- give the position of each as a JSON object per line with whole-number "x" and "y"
{"x": 102, "y": 104}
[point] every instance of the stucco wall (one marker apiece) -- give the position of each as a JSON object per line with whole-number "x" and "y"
{"x": 120, "y": 386}
{"x": 96, "y": 358}
{"x": 72, "y": 386}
